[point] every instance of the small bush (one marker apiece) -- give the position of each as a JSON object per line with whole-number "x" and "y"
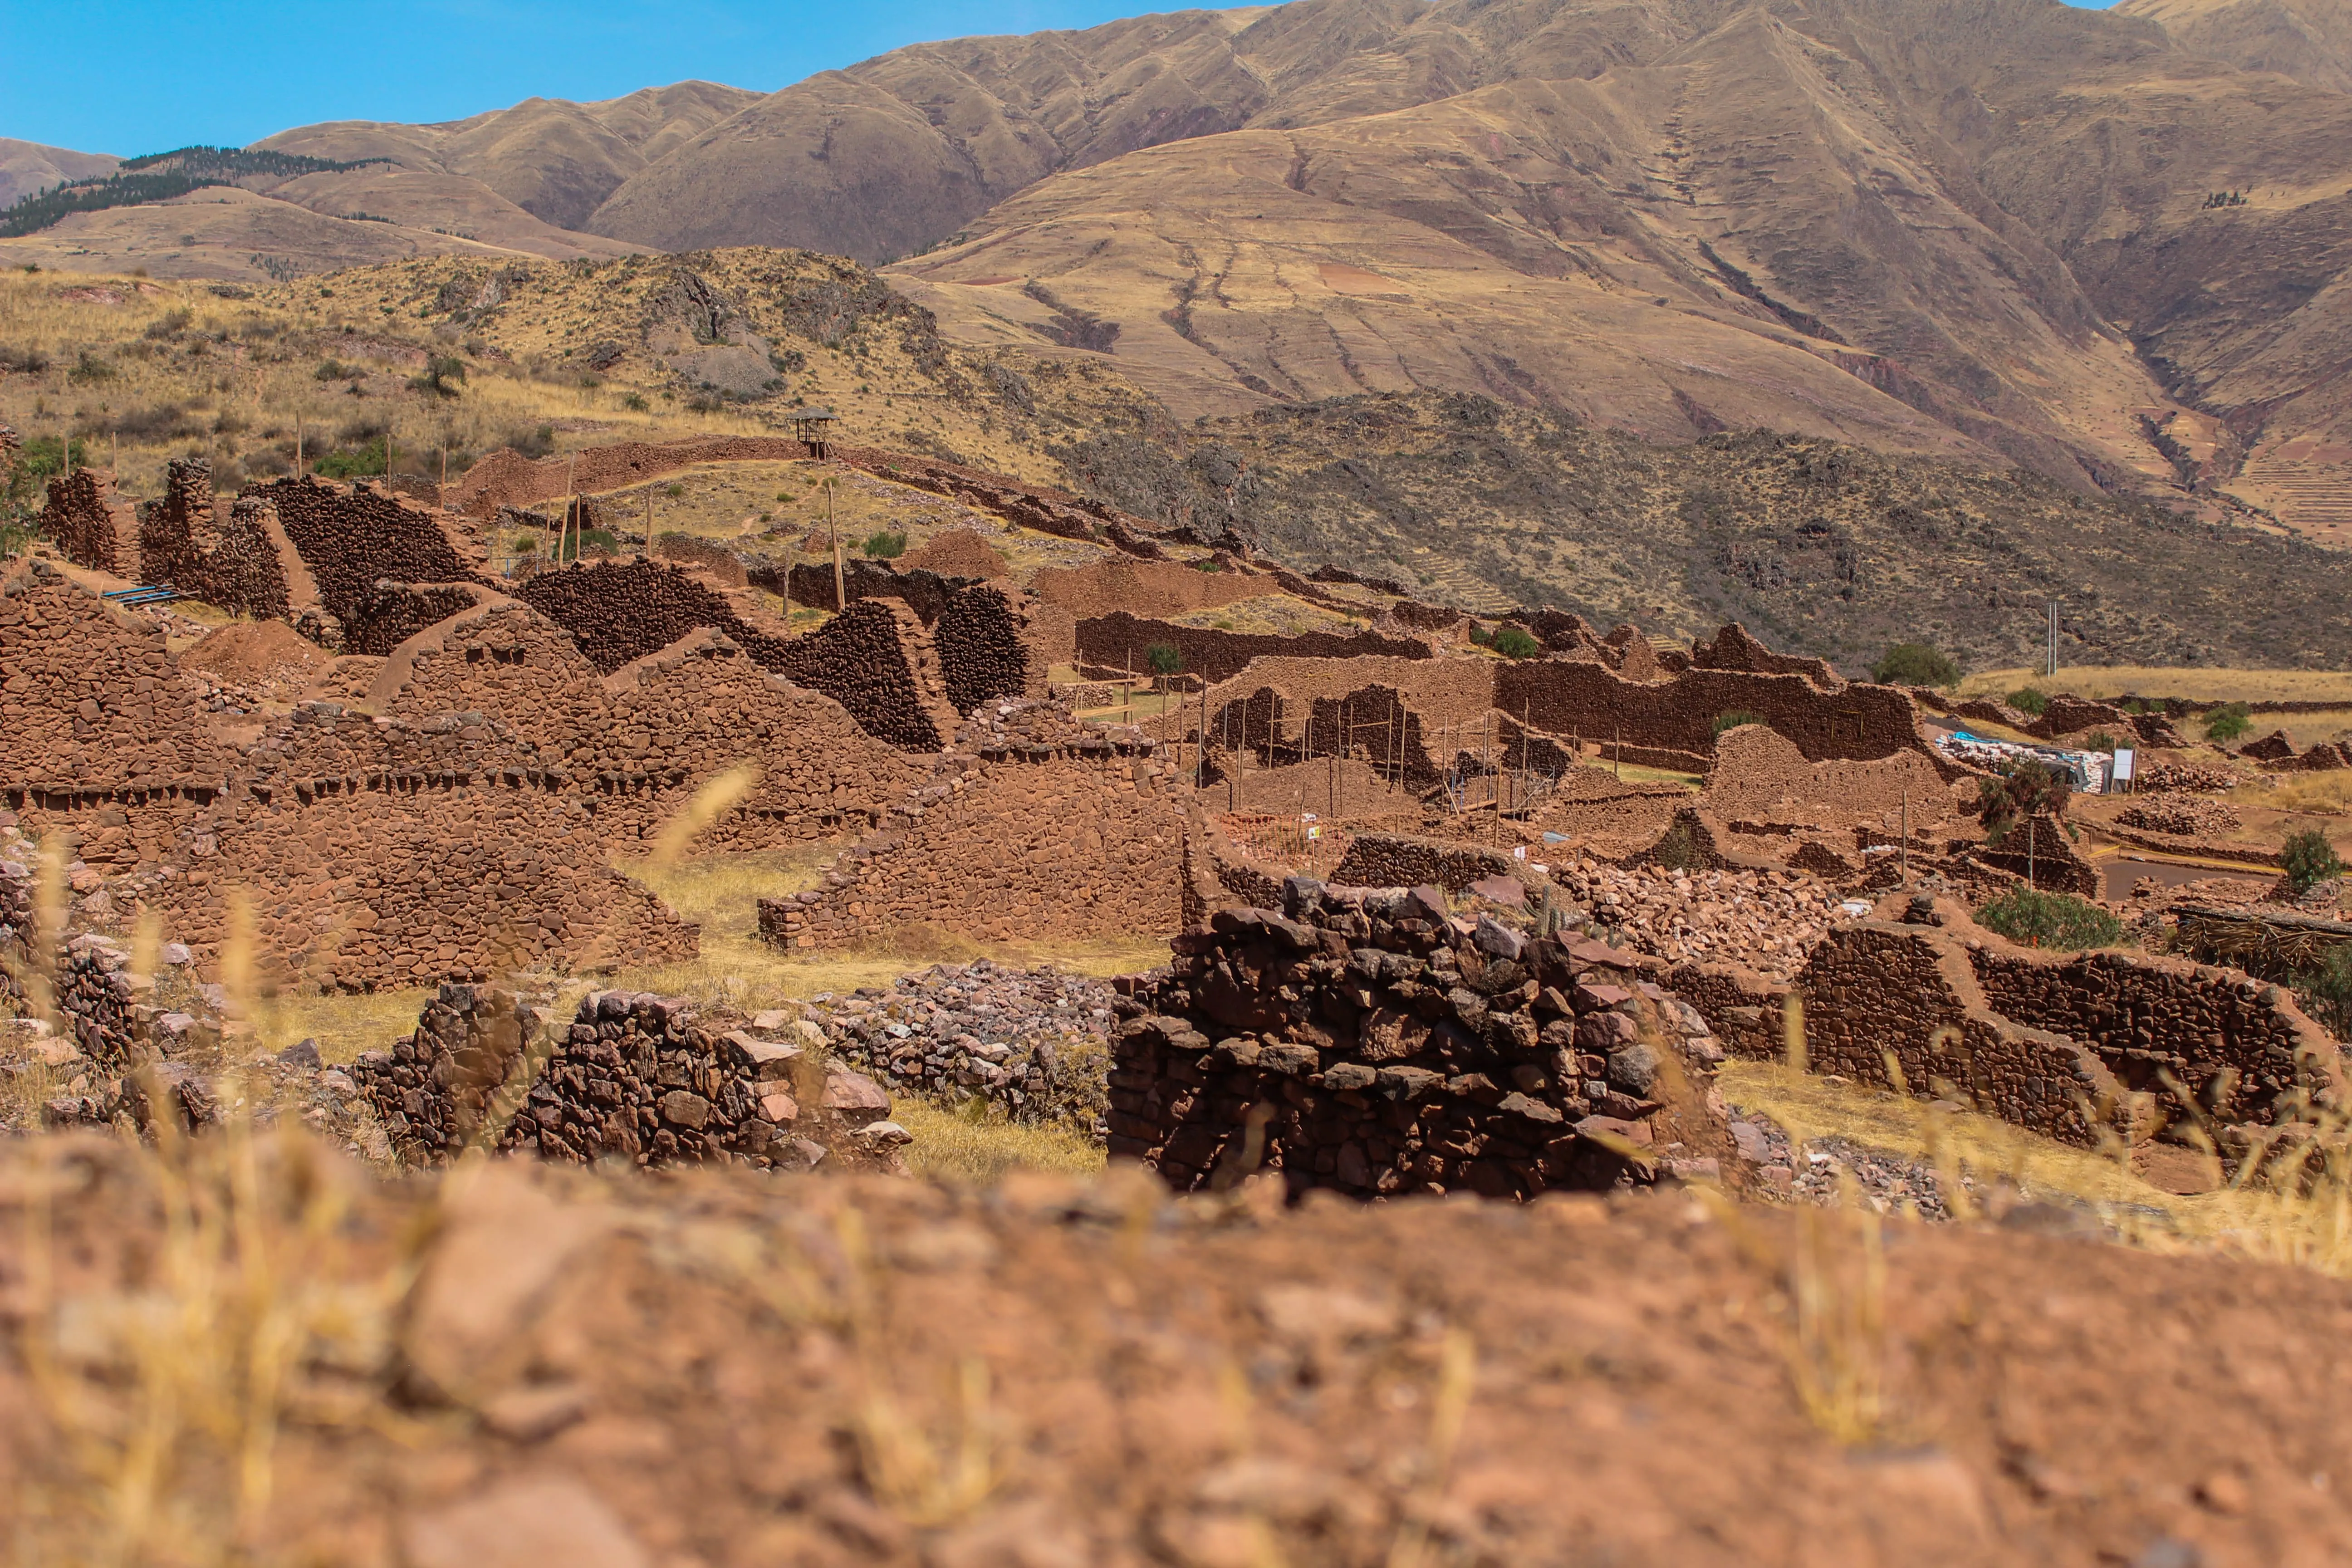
{"x": 1735, "y": 717}
{"x": 1516, "y": 642}
{"x": 635, "y": 403}
{"x": 1163, "y": 658}
{"x": 2326, "y": 991}
{"x": 2100, "y": 741}
{"x": 2309, "y": 860}
{"x": 673, "y": 491}
{"x": 443, "y": 376}
{"x": 1914, "y": 664}
{"x": 2229, "y": 721}
{"x": 348, "y": 463}
{"x": 90, "y": 369}
{"x": 2051, "y": 920}
{"x": 885, "y": 545}
{"x": 2023, "y": 791}
{"x": 1208, "y": 564}
{"x": 2029, "y": 699}
{"x": 333, "y": 370}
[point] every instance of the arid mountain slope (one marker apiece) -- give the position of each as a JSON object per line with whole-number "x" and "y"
{"x": 1820, "y": 548}
{"x": 28, "y": 168}
{"x": 318, "y": 222}
{"x": 2310, "y": 40}
{"x": 554, "y": 159}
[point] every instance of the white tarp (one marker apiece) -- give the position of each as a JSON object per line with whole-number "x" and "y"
{"x": 2091, "y": 772}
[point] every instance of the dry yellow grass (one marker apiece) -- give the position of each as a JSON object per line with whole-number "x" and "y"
{"x": 952, "y": 1146}
{"x": 2325, "y": 793}
{"x": 2198, "y": 685}
{"x": 2309, "y": 1229}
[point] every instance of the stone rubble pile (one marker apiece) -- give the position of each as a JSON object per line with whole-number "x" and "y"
{"x": 2187, "y": 818}
{"x": 2189, "y": 777}
{"x": 1763, "y": 920}
{"x": 1371, "y": 1041}
{"x": 1035, "y": 1043}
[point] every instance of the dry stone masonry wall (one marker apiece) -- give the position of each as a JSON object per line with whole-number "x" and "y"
{"x": 634, "y": 1076}
{"x": 1065, "y": 846}
{"x": 1371, "y": 1041}
{"x": 91, "y": 525}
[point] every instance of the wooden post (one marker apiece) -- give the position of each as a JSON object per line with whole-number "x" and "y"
{"x": 840, "y": 574}
{"x": 649, "y": 538}
{"x": 443, "y": 486}
{"x": 65, "y": 447}
{"x": 297, "y": 443}
{"x": 387, "y": 457}
{"x": 114, "y": 452}
{"x": 1906, "y": 835}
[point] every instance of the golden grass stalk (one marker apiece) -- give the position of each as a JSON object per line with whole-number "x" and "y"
{"x": 1457, "y": 1379}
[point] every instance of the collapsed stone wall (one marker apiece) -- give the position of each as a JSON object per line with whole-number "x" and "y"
{"x": 1075, "y": 844}
{"x": 632, "y": 1075}
{"x": 1368, "y": 1041}
{"x": 91, "y": 525}
{"x": 721, "y": 564}
{"x": 2241, "y": 1045}
{"x": 1733, "y": 647}
{"x": 1117, "y": 641}
{"x": 1039, "y": 507}
{"x": 809, "y": 583}
{"x": 239, "y": 563}
{"x": 349, "y": 537}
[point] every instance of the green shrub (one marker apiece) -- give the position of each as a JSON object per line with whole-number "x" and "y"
{"x": 2229, "y": 721}
{"x": 348, "y": 464}
{"x": 635, "y": 403}
{"x": 885, "y": 545}
{"x": 2309, "y": 860}
{"x": 2100, "y": 741}
{"x": 2029, "y": 699}
{"x": 2051, "y": 920}
{"x": 2024, "y": 790}
{"x": 1735, "y": 717}
{"x": 673, "y": 491}
{"x": 1914, "y": 664}
{"x": 1163, "y": 658}
{"x": 444, "y": 373}
{"x": 2326, "y": 991}
{"x": 335, "y": 370}
{"x": 1516, "y": 642}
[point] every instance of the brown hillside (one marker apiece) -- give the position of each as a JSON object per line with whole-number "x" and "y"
{"x": 2310, "y": 40}
{"x": 554, "y": 159}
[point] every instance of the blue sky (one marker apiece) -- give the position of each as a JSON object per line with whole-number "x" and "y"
{"x": 232, "y": 71}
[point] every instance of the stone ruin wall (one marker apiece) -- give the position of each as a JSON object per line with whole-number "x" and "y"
{"x": 241, "y": 562}
{"x": 1381, "y": 1045}
{"x": 1404, "y": 860}
{"x": 632, "y": 1075}
{"x": 1562, "y": 696}
{"x": 809, "y": 583}
{"x": 1063, "y": 847}
{"x": 91, "y": 525}
{"x": 1117, "y": 641}
{"x": 874, "y": 658}
{"x": 638, "y": 744}
{"x": 357, "y": 838}
{"x": 1150, "y": 589}
{"x": 2043, "y": 1037}
{"x": 2241, "y": 1045}
{"x": 90, "y": 698}
{"x": 984, "y": 647}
